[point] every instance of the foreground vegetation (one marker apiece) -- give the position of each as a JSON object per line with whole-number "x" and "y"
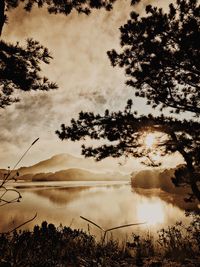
{"x": 47, "y": 245}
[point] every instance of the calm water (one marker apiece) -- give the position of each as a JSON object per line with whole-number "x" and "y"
{"x": 108, "y": 204}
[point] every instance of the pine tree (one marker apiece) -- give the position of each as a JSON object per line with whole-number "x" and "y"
{"x": 160, "y": 55}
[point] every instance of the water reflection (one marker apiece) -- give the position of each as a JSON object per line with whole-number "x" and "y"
{"x": 151, "y": 212}
{"x": 108, "y": 205}
{"x": 61, "y": 196}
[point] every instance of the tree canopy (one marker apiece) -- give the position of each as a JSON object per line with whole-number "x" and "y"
{"x": 160, "y": 55}
{"x": 124, "y": 133}
{"x": 20, "y": 70}
{"x": 20, "y": 65}
{"x": 65, "y": 6}
{"x": 61, "y": 6}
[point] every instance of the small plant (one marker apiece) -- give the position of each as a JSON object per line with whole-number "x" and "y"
{"x": 179, "y": 241}
{"x": 194, "y": 230}
{"x": 11, "y": 195}
{"x": 142, "y": 247}
{"x": 48, "y": 246}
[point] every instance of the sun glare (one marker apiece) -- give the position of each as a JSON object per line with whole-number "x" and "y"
{"x": 151, "y": 213}
{"x": 149, "y": 140}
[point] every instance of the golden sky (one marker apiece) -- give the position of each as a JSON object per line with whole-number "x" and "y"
{"x": 82, "y": 70}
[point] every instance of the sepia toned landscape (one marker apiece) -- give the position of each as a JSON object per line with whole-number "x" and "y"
{"x": 99, "y": 133}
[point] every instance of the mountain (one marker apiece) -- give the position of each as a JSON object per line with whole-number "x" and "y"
{"x": 67, "y": 161}
{"x": 74, "y": 174}
{"x": 65, "y": 167}
{"x": 55, "y": 163}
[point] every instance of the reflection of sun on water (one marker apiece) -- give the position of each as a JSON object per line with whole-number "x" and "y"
{"x": 151, "y": 213}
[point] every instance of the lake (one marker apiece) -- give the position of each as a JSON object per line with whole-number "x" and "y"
{"x": 108, "y": 204}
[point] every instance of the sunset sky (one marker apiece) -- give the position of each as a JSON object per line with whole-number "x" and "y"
{"x": 86, "y": 80}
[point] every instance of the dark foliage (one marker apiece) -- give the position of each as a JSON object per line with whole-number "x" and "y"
{"x": 124, "y": 133}
{"x": 20, "y": 66}
{"x": 20, "y": 70}
{"x": 65, "y": 6}
{"x": 161, "y": 57}
{"x": 49, "y": 246}
{"x": 179, "y": 241}
{"x": 161, "y": 54}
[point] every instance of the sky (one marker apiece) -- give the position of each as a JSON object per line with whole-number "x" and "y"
{"x": 82, "y": 70}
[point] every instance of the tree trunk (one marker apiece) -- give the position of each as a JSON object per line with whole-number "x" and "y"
{"x": 194, "y": 187}
{"x": 188, "y": 160}
{"x": 192, "y": 177}
{"x": 2, "y": 15}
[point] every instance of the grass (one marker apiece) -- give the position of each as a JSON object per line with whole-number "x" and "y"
{"x": 47, "y": 246}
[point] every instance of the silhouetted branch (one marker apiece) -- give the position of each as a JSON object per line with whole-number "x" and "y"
{"x": 110, "y": 229}
{"x": 160, "y": 53}
{"x": 124, "y": 133}
{"x": 19, "y": 226}
{"x": 3, "y": 187}
{"x": 7, "y": 177}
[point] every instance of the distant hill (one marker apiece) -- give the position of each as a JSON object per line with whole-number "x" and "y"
{"x": 55, "y": 163}
{"x": 157, "y": 178}
{"x": 67, "y": 161}
{"x": 66, "y": 167}
{"x": 158, "y": 183}
{"x": 75, "y": 174}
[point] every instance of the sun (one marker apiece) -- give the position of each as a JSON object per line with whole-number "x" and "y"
{"x": 149, "y": 140}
